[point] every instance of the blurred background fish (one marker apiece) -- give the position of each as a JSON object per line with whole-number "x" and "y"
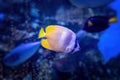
{"x": 98, "y": 23}
{"x": 59, "y": 39}
{"x": 20, "y": 54}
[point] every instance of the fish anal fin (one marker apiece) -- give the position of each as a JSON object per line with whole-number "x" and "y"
{"x": 45, "y": 44}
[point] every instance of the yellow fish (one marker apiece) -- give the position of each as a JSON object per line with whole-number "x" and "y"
{"x": 59, "y": 39}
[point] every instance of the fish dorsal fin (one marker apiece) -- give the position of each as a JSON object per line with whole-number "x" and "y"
{"x": 41, "y": 33}
{"x": 45, "y": 44}
{"x": 51, "y": 28}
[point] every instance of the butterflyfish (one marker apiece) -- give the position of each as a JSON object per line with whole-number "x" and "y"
{"x": 59, "y": 39}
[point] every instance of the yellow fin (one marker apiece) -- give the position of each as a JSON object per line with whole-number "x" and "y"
{"x": 51, "y": 28}
{"x": 45, "y": 44}
{"x": 41, "y": 33}
{"x": 113, "y": 19}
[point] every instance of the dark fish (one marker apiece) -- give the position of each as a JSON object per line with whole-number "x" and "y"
{"x": 98, "y": 23}
{"x": 21, "y": 53}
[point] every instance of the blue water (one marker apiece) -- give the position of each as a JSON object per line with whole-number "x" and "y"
{"x": 109, "y": 43}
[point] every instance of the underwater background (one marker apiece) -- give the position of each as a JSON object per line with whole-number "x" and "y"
{"x": 21, "y": 21}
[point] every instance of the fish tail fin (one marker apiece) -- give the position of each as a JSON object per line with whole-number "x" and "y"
{"x": 113, "y": 19}
{"x": 41, "y": 33}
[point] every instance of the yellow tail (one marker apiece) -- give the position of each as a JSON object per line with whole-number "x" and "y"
{"x": 113, "y": 19}
{"x": 41, "y": 33}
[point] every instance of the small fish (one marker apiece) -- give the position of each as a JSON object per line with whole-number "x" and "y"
{"x": 59, "y": 39}
{"x": 21, "y": 53}
{"x": 98, "y": 23}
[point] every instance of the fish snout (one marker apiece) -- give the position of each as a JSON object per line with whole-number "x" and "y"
{"x": 78, "y": 48}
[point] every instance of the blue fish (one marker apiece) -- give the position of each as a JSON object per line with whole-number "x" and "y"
{"x": 109, "y": 43}
{"x": 21, "y": 53}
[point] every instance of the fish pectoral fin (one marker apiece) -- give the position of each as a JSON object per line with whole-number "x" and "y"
{"x": 90, "y": 23}
{"x": 113, "y": 19}
{"x": 41, "y": 33}
{"x": 45, "y": 44}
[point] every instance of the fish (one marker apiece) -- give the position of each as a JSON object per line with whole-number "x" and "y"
{"x": 21, "y": 53}
{"x": 59, "y": 39}
{"x": 98, "y": 23}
